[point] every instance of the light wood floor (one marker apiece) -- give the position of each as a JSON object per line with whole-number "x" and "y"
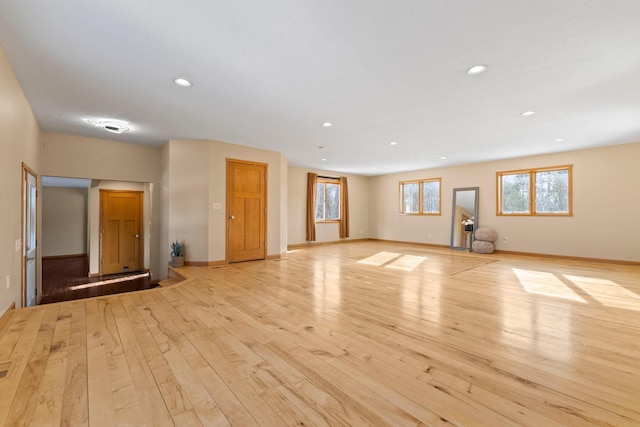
{"x": 365, "y": 333}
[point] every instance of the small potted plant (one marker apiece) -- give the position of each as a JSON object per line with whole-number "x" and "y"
{"x": 177, "y": 254}
{"x": 468, "y": 224}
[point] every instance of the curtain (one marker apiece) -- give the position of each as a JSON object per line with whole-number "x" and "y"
{"x": 344, "y": 208}
{"x": 312, "y": 182}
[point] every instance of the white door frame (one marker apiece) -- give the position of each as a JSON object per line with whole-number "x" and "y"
{"x": 29, "y": 237}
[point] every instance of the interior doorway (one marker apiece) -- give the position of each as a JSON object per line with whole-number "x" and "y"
{"x": 246, "y": 210}
{"x": 120, "y": 231}
{"x": 29, "y": 238}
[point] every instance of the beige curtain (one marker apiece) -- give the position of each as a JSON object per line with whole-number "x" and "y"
{"x": 312, "y": 182}
{"x": 344, "y": 208}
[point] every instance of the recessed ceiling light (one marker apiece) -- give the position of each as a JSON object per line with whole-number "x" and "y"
{"x": 113, "y": 126}
{"x": 393, "y": 143}
{"x": 477, "y": 69}
{"x": 443, "y": 157}
{"x": 558, "y": 140}
{"x": 327, "y": 124}
{"x": 182, "y": 82}
{"x": 527, "y": 113}
{"x": 373, "y": 169}
{"x": 324, "y": 160}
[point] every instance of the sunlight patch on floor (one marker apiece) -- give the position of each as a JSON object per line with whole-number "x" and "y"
{"x": 394, "y": 260}
{"x": 606, "y": 292}
{"x": 380, "y": 258}
{"x": 547, "y": 284}
{"x": 407, "y": 262}
{"x": 108, "y": 282}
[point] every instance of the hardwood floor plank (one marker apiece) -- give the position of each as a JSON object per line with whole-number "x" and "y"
{"x": 148, "y": 397}
{"x": 204, "y": 406}
{"x": 26, "y": 395}
{"x": 16, "y": 344}
{"x": 357, "y": 334}
{"x": 233, "y": 410}
{"x": 49, "y": 410}
{"x": 75, "y": 403}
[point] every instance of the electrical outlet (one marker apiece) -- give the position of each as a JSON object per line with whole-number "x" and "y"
{"x": 505, "y": 240}
{"x": 8, "y": 280}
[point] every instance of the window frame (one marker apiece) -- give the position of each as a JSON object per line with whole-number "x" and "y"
{"x": 324, "y": 181}
{"x": 532, "y": 191}
{"x": 420, "y": 183}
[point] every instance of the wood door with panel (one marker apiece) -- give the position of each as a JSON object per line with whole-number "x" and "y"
{"x": 246, "y": 210}
{"x": 120, "y": 231}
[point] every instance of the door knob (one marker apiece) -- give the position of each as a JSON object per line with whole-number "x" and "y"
{"x": 232, "y": 217}
{"x": 137, "y": 236}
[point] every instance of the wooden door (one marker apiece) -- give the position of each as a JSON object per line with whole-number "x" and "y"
{"x": 246, "y": 210}
{"x": 120, "y": 231}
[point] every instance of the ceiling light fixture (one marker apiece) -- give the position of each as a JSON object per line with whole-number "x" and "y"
{"x": 113, "y": 126}
{"x": 324, "y": 160}
{"x": 393, "y": 143}
{"x": 327, "y": 124}
{"x": 477, "y": 69}
{"x": 182, "y": 82}
{"x": 527, "y": 113}
{"x": 558, "y": 140}
{"x": 443, "y": 157}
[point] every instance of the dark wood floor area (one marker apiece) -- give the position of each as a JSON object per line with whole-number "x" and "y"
{"x": 66, "y": 278}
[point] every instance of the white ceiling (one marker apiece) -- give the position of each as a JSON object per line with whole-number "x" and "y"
{"x": 268, "y": 73}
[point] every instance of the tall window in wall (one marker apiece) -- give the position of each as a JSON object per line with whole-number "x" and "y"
{"x": 537, "y": 192}
{"x": 327, "y": 201}
{"x": 420, "y": 197}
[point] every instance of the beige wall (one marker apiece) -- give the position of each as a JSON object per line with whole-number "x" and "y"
{"x": 194, "y": 181}
{"x": 605, "y": 205}
{"x": 19, "y": 142}
{"x": 189, "y": 198}
{"x": 330, "y": 232}
{"x": 64, "y": 221}
{"x": 109, "y": 163}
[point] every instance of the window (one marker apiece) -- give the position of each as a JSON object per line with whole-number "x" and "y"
{"x": 541, "y": 191}
{"x": 327, "y": 200}
{"x": 420, "y": 197}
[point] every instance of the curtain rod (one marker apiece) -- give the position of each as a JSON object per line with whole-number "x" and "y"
{"x": 328, "y": 177}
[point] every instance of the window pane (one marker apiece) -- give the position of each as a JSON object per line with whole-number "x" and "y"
{"x": 320, "y": 202}
{"x": 515, "y": 193}
{"x": 552, "y": 191}
{"x": 431, "y": 197}
{"x": 410, "y": 198}
{"x": 332, "y": 202}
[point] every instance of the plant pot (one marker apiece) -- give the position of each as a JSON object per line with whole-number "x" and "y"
{"x": 177, "y": 261}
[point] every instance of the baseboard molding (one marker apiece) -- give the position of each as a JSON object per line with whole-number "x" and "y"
{"x": 64, "y": 256}
{"x": 333, "y": 242}
{"x": 498, "y": 252}
{"x": 431, "y": 245}
{"x": 205, "y": 263}
{"x": 7, "y": 315}
{"x": 276, "y": 257}
{"x": 223, "y": 262}
{"x": 567, "y": 257}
